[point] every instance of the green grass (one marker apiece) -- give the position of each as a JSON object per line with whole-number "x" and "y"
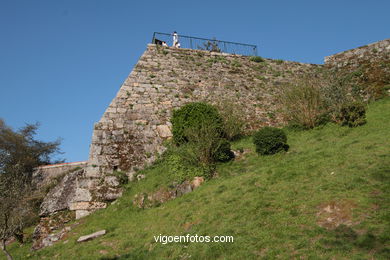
{"x": 268, "y": 203}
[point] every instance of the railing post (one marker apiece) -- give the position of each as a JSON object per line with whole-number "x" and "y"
{"x": 154, "y": 36}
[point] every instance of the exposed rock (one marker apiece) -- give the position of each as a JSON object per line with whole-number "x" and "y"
{"x": 82, "y": 195}
{"x": 110, "y": 194}
{"x": 44, "y": 233}
{"x": 183, "y": 188}
{"x": 162, "y": 195}
{"x": 60, "y": 197}
{"x": 82, "y": 213}
{"x": 87, "y": 205}
{"x": 197, "y": 182}
{"x": 91, "y": 236}
{"x": 164, "y": 131}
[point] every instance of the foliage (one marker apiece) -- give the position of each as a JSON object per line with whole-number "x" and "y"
{"x": 223, "y": 152}
{"x": 20, "y": 153}
{"x": 206, "y": 142}
{"x": 270, "y": 140}
{"x": 232, "y": 119}
{"x": 335, "y": 93}
{"x": 353, "y": 114}
{"x": 182, "y": 164}
{"x": 190, "y": 117}
{"x": 303, "y": 104}
{"x": 256, "y": 59}
{"x": 199, "y": 130}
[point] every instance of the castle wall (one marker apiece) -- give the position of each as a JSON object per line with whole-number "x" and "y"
{"x": 44, "y": 174}
{"x": 131, "y": 132}
{"x": 373, "y": 52}
{"x": 132, "y": 129}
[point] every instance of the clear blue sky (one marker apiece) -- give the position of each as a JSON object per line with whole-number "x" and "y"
{"x": 62, "y": 62}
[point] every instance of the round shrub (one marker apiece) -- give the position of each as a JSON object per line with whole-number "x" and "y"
{"x": 270, "y": 140}
{"x": 353, "y": 114}
{"x": 192, "y": 117}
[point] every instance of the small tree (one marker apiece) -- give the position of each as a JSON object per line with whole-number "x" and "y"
{"x": 20, "y": 153}
{"x": 303, "y": 103}
{"x": 233, "y": 119}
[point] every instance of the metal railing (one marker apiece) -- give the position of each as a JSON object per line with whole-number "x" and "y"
{"x": 197, "y": 43}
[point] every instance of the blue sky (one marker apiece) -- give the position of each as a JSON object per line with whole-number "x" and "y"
{"x": 62, "y": 62}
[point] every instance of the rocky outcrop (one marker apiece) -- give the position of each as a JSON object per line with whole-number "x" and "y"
{"x": 91, "y": 236}
{"x": 162, "y": 195}
{"x": 61, "y": 196}
{"x": 45, "y": 175}
{"x": 51, "y": 229}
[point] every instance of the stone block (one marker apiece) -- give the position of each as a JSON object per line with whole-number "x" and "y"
{"x": 84, "y": 205}
{"x": 91, "y": 236}
{"x": 82, "y": 213}
{"x": 82, "y": 195}
{"x": 111, "y": 181}
{"x": 164, "y": 131}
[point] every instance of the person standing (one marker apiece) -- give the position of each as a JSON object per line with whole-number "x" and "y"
{"x": 176, "y": 43}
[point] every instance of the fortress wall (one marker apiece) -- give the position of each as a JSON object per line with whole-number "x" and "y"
{"x": 131, "y": 132}
{"x": 132, "y": 129}
{"x": 44, "y": 174}
{"x": 374, "y": 52}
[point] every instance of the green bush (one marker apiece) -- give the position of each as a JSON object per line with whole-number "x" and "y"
{"x": 207, "y": 144}
{"x": 303, "y": 104}
{"x": 270, "y": 140}
{"x": 190, "y": 117}
{"x": 256, "y": 59}
{"x": 198, "y": 134}
{"x": 353, "y": 114}
{"x": 180, "y": 168}
{"x": 232, "y": 119}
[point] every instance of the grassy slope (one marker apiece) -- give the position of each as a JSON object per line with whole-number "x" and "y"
{"x": 269, "y": 204}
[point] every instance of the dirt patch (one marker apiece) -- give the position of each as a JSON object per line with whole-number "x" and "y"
{"x": 335, "y": 213}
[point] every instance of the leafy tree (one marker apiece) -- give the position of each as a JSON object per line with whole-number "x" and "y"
{"x": 20, "y": 153}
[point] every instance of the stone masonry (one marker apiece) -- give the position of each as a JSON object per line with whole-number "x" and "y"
{"x": 132, "y": 129}
{"x": 372, "y": 52}
{"x": 131, "y": 132}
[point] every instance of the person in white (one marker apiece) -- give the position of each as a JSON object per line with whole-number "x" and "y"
{"x": 164, "y": 44}
{"x": 176, "y": 40}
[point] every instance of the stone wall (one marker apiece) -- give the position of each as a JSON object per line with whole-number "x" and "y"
{"x": 43, "y": 175}
{"x": 373, "y": 52}
{"x": 132, "y": 129}
{"x": 131, "y": 132}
